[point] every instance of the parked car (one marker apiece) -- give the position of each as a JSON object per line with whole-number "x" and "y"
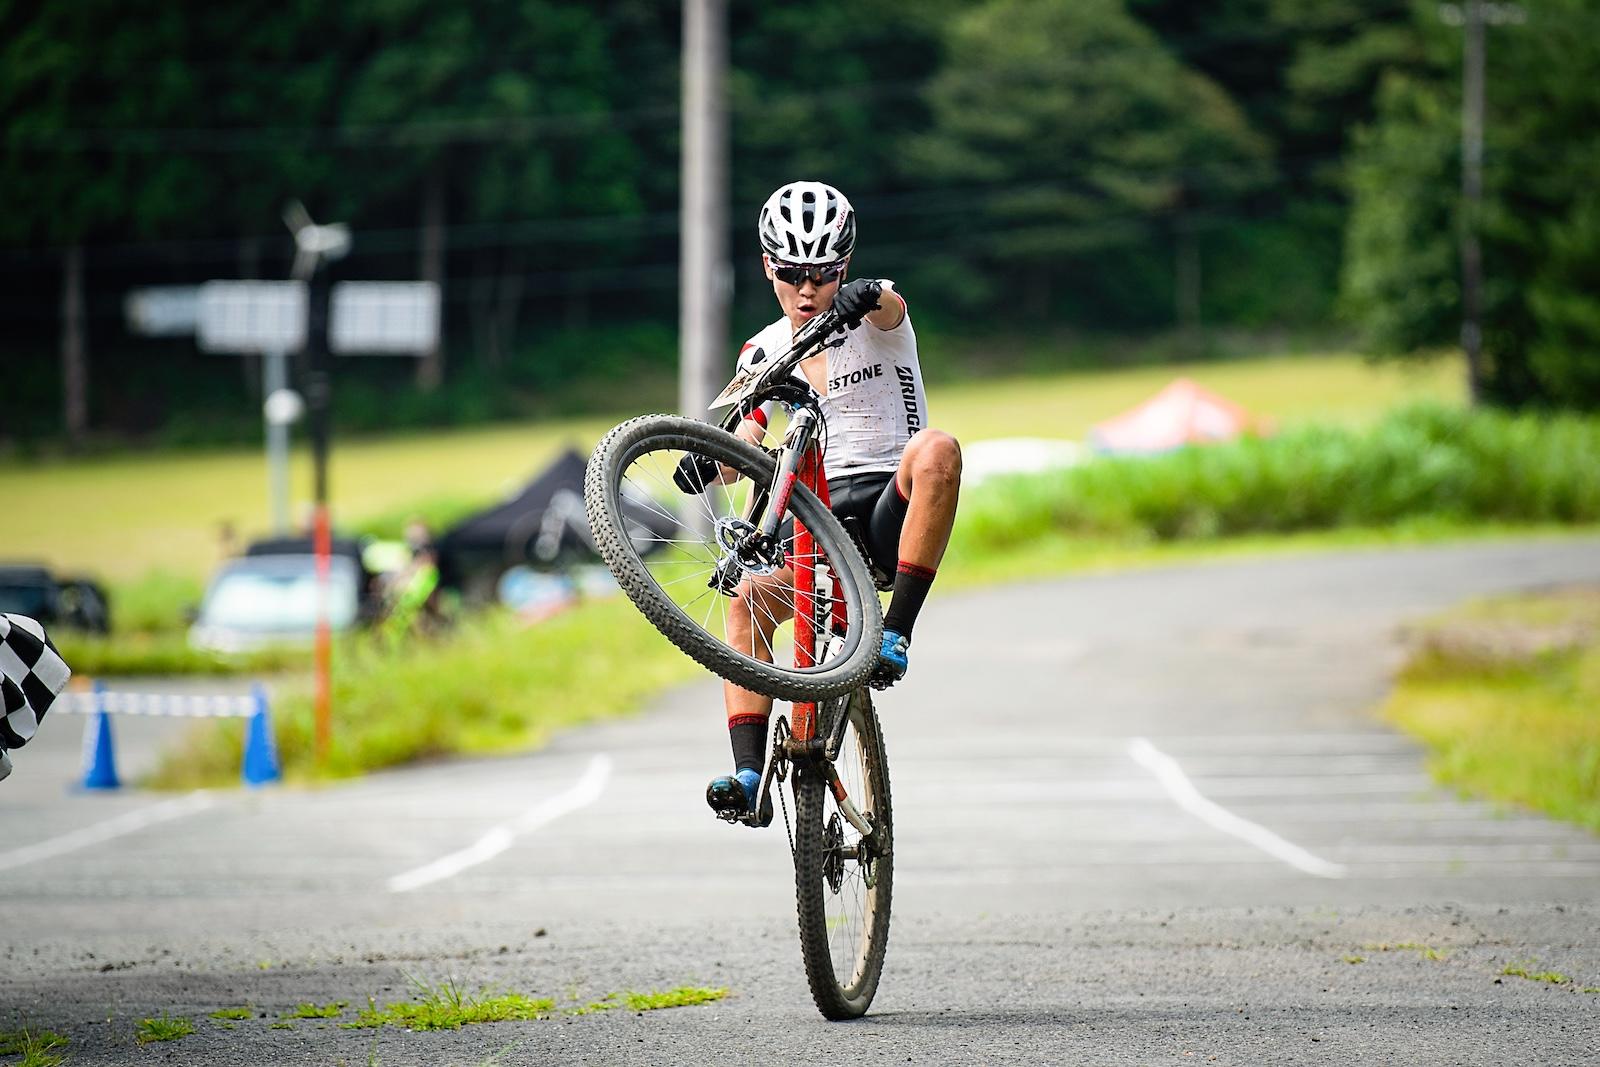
{"x": 268, "y": 596}
{"x": 74, "y": 603}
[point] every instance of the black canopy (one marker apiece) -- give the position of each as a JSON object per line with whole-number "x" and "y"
{"x": 542, "y": 526}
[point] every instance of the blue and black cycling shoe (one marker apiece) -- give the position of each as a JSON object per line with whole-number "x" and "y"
{"x": 733, "y": 797}
{"x": 892, "y": 661}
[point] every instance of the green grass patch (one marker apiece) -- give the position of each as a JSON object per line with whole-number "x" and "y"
{"x": 1506, "y": 695}
{"x": 1427, "y": 952}
{"x": 1519, "y": 970}
{"x": 682, "y": 997}
{"x": 492, "y": 685}
{"x": 38, "y": 1048}
{"x": 307, "y": 1010}
{"x": 125, "y": 515}
{"x": 162, "y": 1028}
{"x": 447, "y": 1006}
{"x": 233, "y": 1013}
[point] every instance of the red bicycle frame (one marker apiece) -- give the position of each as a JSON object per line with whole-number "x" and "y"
{"x": 808, "y": 638}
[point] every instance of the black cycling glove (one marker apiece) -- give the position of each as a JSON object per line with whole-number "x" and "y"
{"x": 855, "y": 299}
{"x": 694, "y": 473}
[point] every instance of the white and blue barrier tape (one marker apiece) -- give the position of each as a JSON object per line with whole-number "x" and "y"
{"x": 259, "y": 765}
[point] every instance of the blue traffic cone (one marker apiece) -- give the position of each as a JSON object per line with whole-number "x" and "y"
{"x": 99, "y": 755}
{"x": 260, "y": 749}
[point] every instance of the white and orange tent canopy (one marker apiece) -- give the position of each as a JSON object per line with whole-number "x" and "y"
{"x": 1181, "y": 414}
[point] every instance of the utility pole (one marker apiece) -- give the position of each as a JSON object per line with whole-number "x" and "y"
{"x": 704, "y": 276}
{"x": 74, "y": 354}
{"x": 1472, "y": 197}
{"x": 315, "y": 246}
{"x": 1472, "y": 16}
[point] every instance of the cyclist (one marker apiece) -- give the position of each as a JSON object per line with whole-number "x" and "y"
{"x": 892, "y": 479}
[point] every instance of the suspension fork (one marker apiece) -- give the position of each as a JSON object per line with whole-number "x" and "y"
{"x": 772, "y": 502}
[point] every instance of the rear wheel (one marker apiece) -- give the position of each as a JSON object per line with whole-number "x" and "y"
{"x": 844, "y": 881}
{"x": 666, "y": 548}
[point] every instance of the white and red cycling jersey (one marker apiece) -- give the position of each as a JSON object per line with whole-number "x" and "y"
{"x": 873, "y": 402}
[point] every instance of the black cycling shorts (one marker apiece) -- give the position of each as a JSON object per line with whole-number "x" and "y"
{"x": 873, "y": 511}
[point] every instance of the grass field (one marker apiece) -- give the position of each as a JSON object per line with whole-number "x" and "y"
{"x": 121, "y": 517}
{"x": 1506, "y": 695}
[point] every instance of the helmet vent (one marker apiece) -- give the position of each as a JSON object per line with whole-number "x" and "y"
{"x": 807, "y": 222}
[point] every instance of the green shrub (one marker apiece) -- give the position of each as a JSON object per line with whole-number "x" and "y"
{"x": 155, "y": 654}
{"x": 156, "y": 602}
{"x": 493, "y": 684}
{"x": 1421, "y": 462}
{"x": 439, "y": 512}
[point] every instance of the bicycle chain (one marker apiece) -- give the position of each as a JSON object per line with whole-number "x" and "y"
{"x": 780, "y": 730}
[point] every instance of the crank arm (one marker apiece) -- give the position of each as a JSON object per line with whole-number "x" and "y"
{"x": 777, "y": 770}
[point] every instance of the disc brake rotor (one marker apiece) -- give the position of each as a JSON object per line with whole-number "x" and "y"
{"x": 744, "y": 542}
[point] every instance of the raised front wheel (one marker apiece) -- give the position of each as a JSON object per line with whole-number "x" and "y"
{"x": 690, "y": 559}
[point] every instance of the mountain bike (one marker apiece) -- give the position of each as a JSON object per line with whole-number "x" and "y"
{"x": 756, "y": 521}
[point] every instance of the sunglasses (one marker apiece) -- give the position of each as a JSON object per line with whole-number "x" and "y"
{"x": 820, "y": 274}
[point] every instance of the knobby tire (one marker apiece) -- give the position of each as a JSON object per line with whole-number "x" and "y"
{"x": 603, "y": 484}
{"x": 829, "y": 949}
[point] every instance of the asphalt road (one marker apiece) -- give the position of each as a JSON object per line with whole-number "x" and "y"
{"x": 1144, "y": 818}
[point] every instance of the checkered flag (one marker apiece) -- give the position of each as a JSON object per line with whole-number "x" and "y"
{"x": 32, "y": 674}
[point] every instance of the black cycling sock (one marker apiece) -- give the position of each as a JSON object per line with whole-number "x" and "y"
{"x": 748, "y": 735}
{"x": 911, "y": 584}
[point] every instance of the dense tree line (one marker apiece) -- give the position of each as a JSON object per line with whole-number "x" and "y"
{"x": 1098, "y": 164}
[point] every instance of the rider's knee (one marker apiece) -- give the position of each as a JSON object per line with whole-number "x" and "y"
{"x": 937, "y": 459}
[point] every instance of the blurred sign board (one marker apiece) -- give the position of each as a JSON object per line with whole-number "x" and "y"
{"x": 163, "y": 310}
{"x": 396, "y": 318}
{"x": 246, "y": 317}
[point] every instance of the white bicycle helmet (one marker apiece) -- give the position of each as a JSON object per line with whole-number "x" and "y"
{"x": 807, "y": 222}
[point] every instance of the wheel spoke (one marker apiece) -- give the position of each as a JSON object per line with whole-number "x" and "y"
{"x": 672, "y": 543}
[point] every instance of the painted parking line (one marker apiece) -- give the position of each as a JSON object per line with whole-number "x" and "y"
{"x": 585, "y": 792}
{"x": 127, "y": 823}
{"x": 1187, "y": 797}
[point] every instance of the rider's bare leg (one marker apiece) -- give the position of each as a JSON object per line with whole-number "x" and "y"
{"x": 929, "y": 479}
{"x": 762, "y": 603}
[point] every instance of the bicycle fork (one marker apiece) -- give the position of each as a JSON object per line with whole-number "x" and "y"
{"x": 771, "y": 504}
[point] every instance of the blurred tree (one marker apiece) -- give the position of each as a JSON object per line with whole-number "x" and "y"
{"x": 1304, "y": 72}
{"x": 1540, "y": 221}
{"x": 1078, "y": 136}
{"x": 485, "y": 115}
{"x": 829, "y": 100}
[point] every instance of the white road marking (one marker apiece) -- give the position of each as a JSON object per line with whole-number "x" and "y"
{"x": 497, "y": 840}
{"x": 1187, "y": 797}
{"x": 127, "y": 823}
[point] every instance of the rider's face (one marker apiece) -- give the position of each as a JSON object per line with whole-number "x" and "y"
{"x": 803, "y": 301}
